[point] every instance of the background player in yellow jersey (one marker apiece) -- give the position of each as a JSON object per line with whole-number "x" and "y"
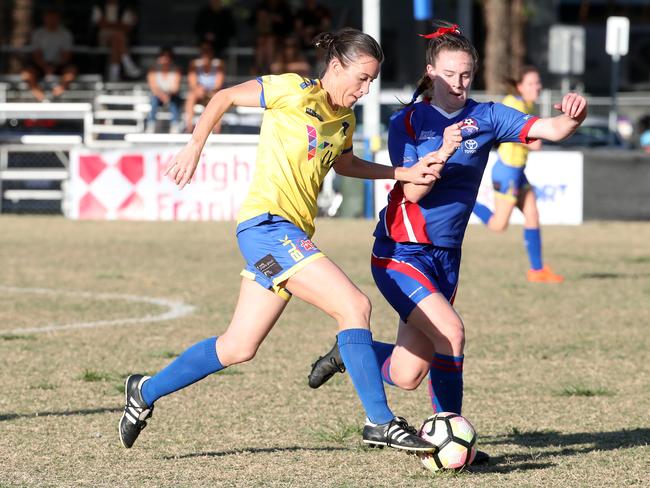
{"x": 511, "y": 187}
{"x": 306, "y": 130}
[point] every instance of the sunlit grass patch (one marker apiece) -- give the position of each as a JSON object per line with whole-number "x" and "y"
{"x": 17, "y": 337}
{"x": 340, "y": 433}
{"x": 585, "y": 391}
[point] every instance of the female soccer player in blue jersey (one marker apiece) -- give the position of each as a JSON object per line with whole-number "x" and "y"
{"x": 307, "y": 129}
{"x": 416, "y": 255}
{"x": 511, "y": 187}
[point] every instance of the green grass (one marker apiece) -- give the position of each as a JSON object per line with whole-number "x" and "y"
{"x": 584, "y": 391}
{"x": 17, "y": 337}
{"x": 339, "y": 433}
{"x": 91, "y": 376}
{"x": 557, "y": 378}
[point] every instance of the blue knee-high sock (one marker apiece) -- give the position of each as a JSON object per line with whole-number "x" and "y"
{"x": 533, "y": 241}
{"x": 355, "y": 346}
{"x": 385, "y": 372}
{"x": 446, "y": 383}
{"x": 383, "y": 352}
{"x": 482, "y": 212}
{"x": 193, "y": 364}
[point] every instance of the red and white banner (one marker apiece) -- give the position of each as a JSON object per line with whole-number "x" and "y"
{"x": 130, "y": 184}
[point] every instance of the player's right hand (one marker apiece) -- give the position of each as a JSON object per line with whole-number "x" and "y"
{"x": 451, "y": 140}
{"x": 182, "y": 167}
{"x": 421, "y": 174}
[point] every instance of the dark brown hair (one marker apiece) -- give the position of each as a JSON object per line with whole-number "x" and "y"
{"x": 511, "y": 83}
{"x": 347, "y": 45}
{"x": 451, "y": 40}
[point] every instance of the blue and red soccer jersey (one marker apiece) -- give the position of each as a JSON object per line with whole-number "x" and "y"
{"x": 440, "y": 217}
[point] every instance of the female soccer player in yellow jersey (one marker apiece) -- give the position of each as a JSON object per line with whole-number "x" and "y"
{"x": 511, "y": 187}
{"x": 306, "y": 130}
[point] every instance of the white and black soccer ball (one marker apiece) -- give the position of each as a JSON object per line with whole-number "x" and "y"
{"x": 455, "y": 438}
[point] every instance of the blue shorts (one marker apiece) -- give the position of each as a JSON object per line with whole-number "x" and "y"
{"x": 508, "y": 181}
{"x": 274, "y": 249}
{"x": 406, "y": 273}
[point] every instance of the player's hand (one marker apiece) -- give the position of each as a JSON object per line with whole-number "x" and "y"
{"x": 182, "y": 167}
{"x": 426, "y": 171}
{"x": 451, "y": 140}
{"x": 573, "y": 106}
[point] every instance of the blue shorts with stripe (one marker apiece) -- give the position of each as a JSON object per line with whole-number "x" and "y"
{"x": 508, "y": 181}
{"x": 406, "y": 273}
{"x": 274, "y": 249}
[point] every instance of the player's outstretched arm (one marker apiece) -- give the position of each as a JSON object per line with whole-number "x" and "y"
{"x": 451, "y": 140}
{"x": 574, "y": 111}
{"x": 182, "y": 167}
{"x": 349, "y": 165}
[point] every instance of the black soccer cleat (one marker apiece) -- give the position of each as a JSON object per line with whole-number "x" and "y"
{"x": 136, "y": 411}
{"x": 325, "y": 367}
{"x": 397, "y": 433}
{"x": 481, "y": 457}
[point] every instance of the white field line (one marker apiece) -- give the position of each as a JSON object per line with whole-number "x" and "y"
{"x": 174, "y": 310}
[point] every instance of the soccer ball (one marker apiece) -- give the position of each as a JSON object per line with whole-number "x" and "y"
{"x": 455, "y": 439}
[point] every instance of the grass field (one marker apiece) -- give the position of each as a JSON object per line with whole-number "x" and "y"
{"x": 557, "y": 376}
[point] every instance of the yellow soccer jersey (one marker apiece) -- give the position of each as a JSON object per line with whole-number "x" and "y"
{"x": 512, "y": 153}
{"x": 301, "y": 137}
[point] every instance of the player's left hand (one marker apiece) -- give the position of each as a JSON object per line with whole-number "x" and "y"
{"x": 451, "y": 140}
{"x": 574, "y": 106}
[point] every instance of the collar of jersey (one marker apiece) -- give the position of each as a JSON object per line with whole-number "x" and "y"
{"x": 446, "y": 114}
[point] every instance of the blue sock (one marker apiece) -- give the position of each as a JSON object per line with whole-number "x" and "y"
{"x": 533, "y": 241}
{"x": 382, "y": 350}
{"x": 446, "y": 383}
{"x": 482, "y": 212}
{"x": 385, "y": 372}
{"x": 355, "y": 346}
{"x": 193, "y": 364}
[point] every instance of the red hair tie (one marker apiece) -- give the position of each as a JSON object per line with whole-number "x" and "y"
{"x": 441, "y": 32}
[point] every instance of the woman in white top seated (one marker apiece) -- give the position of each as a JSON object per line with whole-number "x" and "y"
{"x": 205, "y": 77}
{"x": 164, "y": 80}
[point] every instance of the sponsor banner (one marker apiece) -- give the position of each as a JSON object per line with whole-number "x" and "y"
{"x": 555, "y": 175}
{"x": 130, "y": 184}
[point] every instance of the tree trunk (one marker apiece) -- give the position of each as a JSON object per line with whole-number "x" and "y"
{"x": 517, "y": 38}
{"x": 497, "y": 42}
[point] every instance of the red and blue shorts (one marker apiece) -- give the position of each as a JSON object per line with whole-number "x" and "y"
{"x": 406, "y": 273}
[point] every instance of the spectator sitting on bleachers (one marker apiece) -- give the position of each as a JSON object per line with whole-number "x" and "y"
{"x": 215, "y": 23}
{"x": 114, "y": 23}
{"x": 164, "y": 80}
{"x": 291, "y": 60}
{"x": 273, "y": 21}
{"x": 51, "y": 57}
{"x": 205, "y": 77}
{"x": 311, "y": 20}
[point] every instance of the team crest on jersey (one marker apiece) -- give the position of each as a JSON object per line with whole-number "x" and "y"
{"x": 468, "y": 126}
{"x": 313, "y": 146}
